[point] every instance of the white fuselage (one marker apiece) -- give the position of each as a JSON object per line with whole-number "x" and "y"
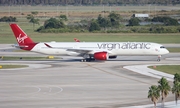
{"x": 113, "y": 48}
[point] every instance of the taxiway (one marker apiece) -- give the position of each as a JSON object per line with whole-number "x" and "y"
{"x": 68, "y": 83}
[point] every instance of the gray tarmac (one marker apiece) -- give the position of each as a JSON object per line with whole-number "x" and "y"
{"x": 68, "y": 83}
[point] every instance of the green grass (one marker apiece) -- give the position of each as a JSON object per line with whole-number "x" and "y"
{"x": 173, "y": 49}
{"x": 26, "y": 58}
{"x": 170, "y": 69}
{"x": 13, "y": 66}
{"x": 6, "y": 36}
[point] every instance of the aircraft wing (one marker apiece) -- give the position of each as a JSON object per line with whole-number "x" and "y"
{"x": 80, "y": 50}
{"x": 70, "y": 49}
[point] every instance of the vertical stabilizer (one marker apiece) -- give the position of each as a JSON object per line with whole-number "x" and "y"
{"x": 23, "y": 40}
{"x": 20, "y": 35}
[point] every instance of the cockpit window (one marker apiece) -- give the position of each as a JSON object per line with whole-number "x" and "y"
{"x": 162, "y": 47}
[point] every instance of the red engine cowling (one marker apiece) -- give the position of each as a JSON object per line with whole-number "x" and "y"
{"x": 101, "y": 56}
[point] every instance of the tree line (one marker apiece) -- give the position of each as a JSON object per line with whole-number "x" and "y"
{"x": 8, "y": 19}
{"x": 113, "y": 23}
{"x": 110, "y": 24}
{"x": 87, "y": 2}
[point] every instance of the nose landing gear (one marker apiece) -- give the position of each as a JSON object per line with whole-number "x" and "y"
{"x": 159, "y": 58}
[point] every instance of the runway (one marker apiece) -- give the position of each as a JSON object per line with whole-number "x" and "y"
{"x": 68, "y": 83}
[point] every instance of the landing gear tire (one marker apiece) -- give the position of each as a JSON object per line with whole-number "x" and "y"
{"x": 159, "y": 58}
{"x": 87, "y": 60}
{"x": 83, "y": 60}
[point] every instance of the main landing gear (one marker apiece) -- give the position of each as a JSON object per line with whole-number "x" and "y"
{"x": 83, "y": 60}
{"x": 159, "y": 58}
{"x": 88, "y": 58}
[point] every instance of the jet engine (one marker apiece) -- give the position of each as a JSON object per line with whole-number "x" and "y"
{"x": 101, "y": 56}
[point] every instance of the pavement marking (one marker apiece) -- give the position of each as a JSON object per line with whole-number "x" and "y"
{"x": 117, "y": 74}
{"x": 39, "y": 89}
{"x": 61, "y": 89}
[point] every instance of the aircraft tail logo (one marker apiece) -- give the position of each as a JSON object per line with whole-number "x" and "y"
{"x": 21, "y": 39}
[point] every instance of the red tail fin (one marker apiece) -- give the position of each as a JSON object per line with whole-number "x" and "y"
{"x": 23, "y": 40}
{"x": 20, "y": 35}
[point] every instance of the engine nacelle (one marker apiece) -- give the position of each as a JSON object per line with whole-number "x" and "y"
{"x": 101, "y": 56}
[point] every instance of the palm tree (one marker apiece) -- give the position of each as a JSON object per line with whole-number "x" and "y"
{"x": 176, "y": 77}
{"x": 176, "y": 90}
{"x": 164, "y": 87}
{"x": 154, "y": 94}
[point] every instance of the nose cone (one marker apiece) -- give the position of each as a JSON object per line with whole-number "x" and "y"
{"x": 166, "y": 51}
{"x": 163, "y": 51}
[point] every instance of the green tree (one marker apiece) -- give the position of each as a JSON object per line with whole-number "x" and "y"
{"x": 176, "y": 86}
{"x": 168, "y": 21}
{"x": 164, "y": 88}
{"x": 171, "y": 22}
{"x": 29, "y": 16}
{"x": 32, "y": 20}
{"x": 176, "y": 77}
{"x": 154, "y": 94}
{"x": 134, "y": 22}
{"x": 94, "y": 26}
{"x": 8, "y": 19}
{"x": 103, "y": 22}
{"x": 176, "y": 90}
{"x": 115, "y": 19}
{"x": 34, "y": 13}
{"x": 53, "y": 23}
{"x": 63, "y": 17}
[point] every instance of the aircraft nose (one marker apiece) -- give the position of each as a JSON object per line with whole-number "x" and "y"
{"x": 167, "y": 51}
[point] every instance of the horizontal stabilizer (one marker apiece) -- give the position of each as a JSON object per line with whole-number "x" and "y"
{"x": 19, "y": 46}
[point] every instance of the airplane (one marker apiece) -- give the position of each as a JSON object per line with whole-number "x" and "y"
{"x": 88, "y": 50}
